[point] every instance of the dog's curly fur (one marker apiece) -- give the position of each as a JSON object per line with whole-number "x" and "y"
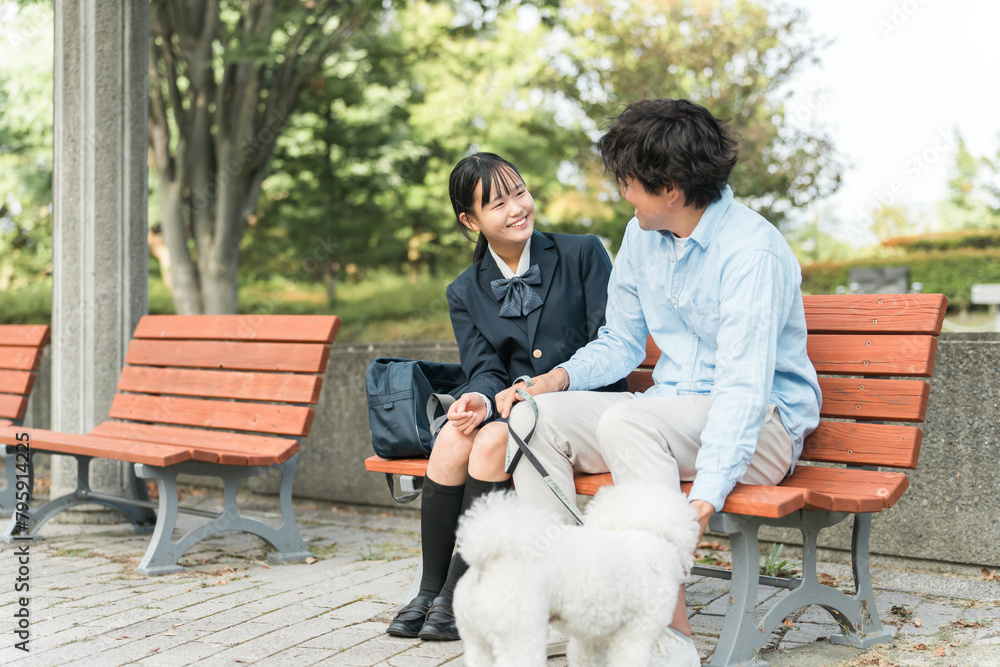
{"x": 610, "y": 585}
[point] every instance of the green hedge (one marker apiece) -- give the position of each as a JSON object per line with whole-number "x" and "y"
{"x": 951, "y": 273}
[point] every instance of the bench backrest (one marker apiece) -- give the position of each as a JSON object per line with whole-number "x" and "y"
{"x": 21, "y": 347}
{"x": 231, "y": 372}
{"x": 866, "y": 349}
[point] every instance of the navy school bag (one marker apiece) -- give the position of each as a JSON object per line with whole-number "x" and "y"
{"x": 408, "y": 401}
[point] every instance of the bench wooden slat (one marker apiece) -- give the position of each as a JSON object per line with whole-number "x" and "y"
{"x": 20, "y": 358}
{"x": 221, "y": 384}
{"x": 288, "y": 357}
{"x": 254, "y": 417}
{"x": 273, "y": 328}
{"x": 16, "y": 382}
{"x": 872, "y": 355}
{"x": 12, "y": 406}
{"x": 772, "y": 502}
{"x": 890, "y": 445}
{"x": 875, "y": 313}
{"x": 846, "y": 490}
{"x": 108, "y": 448}
{"x": 24, "y": 335}
{"x": 889, "y": 400}
{"x": 232, "y": 448}
{"x": 415, "y": 467}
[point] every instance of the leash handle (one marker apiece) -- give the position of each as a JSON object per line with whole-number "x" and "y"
{"x": 522, "y": 447}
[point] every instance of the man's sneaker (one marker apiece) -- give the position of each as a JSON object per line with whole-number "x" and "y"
{"x": 675, "y": 649}
{"x": 557, "y": 643}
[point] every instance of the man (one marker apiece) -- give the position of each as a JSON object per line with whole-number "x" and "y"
{"x": 717, "y": 287}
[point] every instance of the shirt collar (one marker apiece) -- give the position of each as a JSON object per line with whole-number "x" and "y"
{"x": 522, "y": 263}
{"x": 710, "y": 224}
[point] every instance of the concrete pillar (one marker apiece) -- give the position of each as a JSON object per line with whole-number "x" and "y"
{"x": 100, "y": 188}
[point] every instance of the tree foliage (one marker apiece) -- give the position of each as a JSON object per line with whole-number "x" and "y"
{"x": 224, "y": 77}
{"x": 973, "y": 191}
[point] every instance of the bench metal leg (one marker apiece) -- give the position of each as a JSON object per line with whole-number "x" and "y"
{"x": 741, "y": 638}
{"x": 163, "y": 552}
{"x": 142, "y": 518}
{"x": 7, "y": 497}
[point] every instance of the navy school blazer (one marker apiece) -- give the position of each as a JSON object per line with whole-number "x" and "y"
{"x": 496, "y": 350}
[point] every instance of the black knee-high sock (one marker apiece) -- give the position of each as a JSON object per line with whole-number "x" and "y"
{"x": 440, "y": 508}
{"x": 474, "y": 488}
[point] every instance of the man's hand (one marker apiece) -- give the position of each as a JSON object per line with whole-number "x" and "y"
{"x": 705, "y": 512}
{"x": 554, "y": 380}
{"x": 467, "y": 412}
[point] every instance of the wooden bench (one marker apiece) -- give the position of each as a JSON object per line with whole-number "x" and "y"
{"x": 867, "y": 350}
{"x": 226, "y": 396}
{"x": 21, "y": 348}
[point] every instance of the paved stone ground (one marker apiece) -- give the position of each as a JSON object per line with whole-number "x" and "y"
{"x": 230, "y": 607}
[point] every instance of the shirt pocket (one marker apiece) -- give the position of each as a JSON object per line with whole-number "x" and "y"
{"x": 704, "y": 321}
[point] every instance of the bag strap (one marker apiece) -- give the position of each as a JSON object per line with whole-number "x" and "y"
{"x": 433, "y": 402}
{"x": 408, "y": 498}
{"x": 523, "y": 449}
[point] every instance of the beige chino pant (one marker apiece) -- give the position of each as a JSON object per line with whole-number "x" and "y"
{"x": 634, "y": 437}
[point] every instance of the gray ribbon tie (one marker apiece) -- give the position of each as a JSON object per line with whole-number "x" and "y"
{"x": 518, "y": 298}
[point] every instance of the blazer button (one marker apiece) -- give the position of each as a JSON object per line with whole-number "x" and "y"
{"x": 537, "y": 354}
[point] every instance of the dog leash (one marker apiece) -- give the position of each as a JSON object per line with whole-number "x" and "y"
{"x": 522, "y": 448}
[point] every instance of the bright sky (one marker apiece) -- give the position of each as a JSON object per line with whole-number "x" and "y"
{"x": 901, "y": 76}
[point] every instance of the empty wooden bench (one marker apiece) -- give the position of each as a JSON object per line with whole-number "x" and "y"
{"x": 226, "y": 396}
{"x": 21, "y": 348}
{"x": 867, "y": 349}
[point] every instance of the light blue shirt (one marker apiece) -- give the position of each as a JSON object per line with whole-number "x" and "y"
{"x": 729, "y": 320}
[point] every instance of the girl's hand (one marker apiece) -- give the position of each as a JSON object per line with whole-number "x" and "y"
{"x": 554, "y": 380}
{"x": 468, "y": 412}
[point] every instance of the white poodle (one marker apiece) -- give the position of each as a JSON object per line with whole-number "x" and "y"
{"x": 609, "y": 585}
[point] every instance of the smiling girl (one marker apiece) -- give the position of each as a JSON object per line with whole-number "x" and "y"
{"x": 528, "y": 301}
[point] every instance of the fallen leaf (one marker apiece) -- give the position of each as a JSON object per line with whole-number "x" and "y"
{"x": 154, "y": 650}
{"x": 124, "y": 637}
{"x": 940, "y": 650}
{"x": 917, "y": 622}
{"x": 989, "y": 576}
{"x": 921, "y": 647}
{"x": 169, "y": 634}
{"x": 787, "y": 623}
{"x": 967, "y": 624}
{"x": 310, "y": 560}
{"x": 221, "y": 582}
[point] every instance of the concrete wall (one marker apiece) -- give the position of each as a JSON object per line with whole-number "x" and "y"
{"x": 951, "y": 511}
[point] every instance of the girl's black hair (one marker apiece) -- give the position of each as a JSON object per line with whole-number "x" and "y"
{"x": 667, "y": 143}
{"x": 490, "y": 169}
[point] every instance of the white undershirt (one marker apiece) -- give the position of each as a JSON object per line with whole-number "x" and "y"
{"x": 522, "y": 263}
{"x": 679, "y": 246}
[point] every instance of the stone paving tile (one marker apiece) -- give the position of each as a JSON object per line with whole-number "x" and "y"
{"x": 344, "y": 638}
{"x": 367, "y": 653}
{"x": 933, "y": 616}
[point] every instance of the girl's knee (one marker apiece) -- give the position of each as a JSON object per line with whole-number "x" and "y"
{"x": 451, "y": 448}
{"x": 491, "y": 441}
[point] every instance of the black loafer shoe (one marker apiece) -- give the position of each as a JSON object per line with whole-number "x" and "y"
{"x": 440, "y": 623}
{"x": 410, "y": 618}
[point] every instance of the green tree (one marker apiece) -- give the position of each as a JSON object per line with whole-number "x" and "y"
{"x": 736, "y": 58}
{"x": 973, "y": 200}
{"x": 224, "y": 77}
{"x": 360, "y": 178}
{"x": 26, "y": 55}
